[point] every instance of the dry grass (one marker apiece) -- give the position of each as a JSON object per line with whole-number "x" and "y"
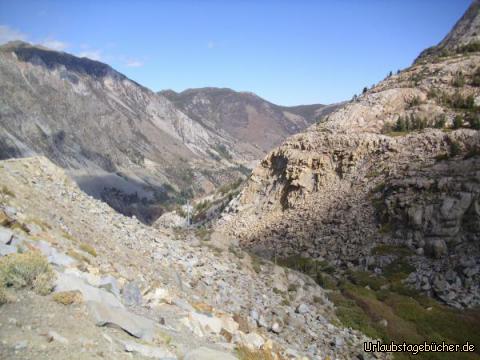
{"x": 68, "y": 297}
{"x": 6, "y": 191}
{"x": 245, "y": 353}
{"x": 77, "y": 256}
{"x": 88, "y": 249}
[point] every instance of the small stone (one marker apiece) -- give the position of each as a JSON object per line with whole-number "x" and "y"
{"x": 302, "y": 309}
{"x": 276, "y": 328}
{"x": 339, "y": 342}
{"x": 5, "y": 236}
{"x": 54, "y": 336}
{"x": 21, "y": 345}
{"x": 383, "y": 323}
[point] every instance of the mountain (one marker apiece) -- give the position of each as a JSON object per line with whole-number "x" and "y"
{"x": 121, "y": 142}
{"x": 385, "y": 190}
{"x": 87, "y": 280}
{"x": 464, "y": 37}
{"x": 244, "y": 116}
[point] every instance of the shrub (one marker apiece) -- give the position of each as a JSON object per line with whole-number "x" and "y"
{"x": 245, "y": 353}
{"x": 458, "y": 80}
{"x": 77, "y": 256}
{"x": 203, "y": 233}
{"x": 455, "y": 149}
{"x": 442, "y": 157}
{"x": 476, "y": 78}
{"x": 440, "y": 121}
{"x": 457, "y": 122}
{"x": 5, "y": 296}
{"x": 223, "y": 151}
{"x": 468, "y": 48}
{"x": 415, "y": 101}
{"x": 400, "y": 125}
{"x": 68, "y": 297}
{"x": 29, "y": 270}
{"x": 475, "y": 122}
{"x": 472, "y": 152}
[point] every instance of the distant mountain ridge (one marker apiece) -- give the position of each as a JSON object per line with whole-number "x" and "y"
{"x": 122, "y": 142}
{"x": 244, "y": 115}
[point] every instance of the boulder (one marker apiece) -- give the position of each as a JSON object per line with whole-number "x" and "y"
{"x": 302, "y": 309}
{"x": 52, "y": 255}
{"x": 253, "y": 341}
{"x": 6, "y": 236}
{"x": 229, "y": 324}
{"x": 135, "y": 325}
{"x": 7, "y": 249}
{"x": 131, "y": 294}
{"x": 158, "y": 296}
{"x": 110, "y": 284}
{"x": 148, "y": 351}
{"x": 437, "y": 248}
{"x": 280, "y": 282}
{"x": 202, "y": 324}
{"x": 71, "y": 282}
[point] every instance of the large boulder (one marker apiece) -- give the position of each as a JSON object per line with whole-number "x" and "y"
{"x": 201, "y": 324}
{"x": 71, "y": 282}
{"x": 53, "y": 255}
{"x": 135, "y": 325}
{"x": 131, "y": 294}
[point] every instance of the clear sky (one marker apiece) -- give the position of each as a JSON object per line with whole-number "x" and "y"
{"x": 289, "y": 52}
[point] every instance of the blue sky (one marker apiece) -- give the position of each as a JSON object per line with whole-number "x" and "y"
{"x": 289, "y": 52}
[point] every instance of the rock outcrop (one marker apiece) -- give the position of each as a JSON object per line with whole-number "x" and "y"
{"x": 397, "y": 166}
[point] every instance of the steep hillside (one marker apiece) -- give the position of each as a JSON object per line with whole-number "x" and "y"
{"x": 464, "y": 37}
{"x": 389, "y": 183}
{"x": 255, "y": 123}
{"x": 80, "y": 281}
{"x": 122, "y": 142}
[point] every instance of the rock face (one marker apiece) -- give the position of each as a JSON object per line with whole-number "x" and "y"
{"x": 362, "y": 180}
{"x": 121, "y": 142}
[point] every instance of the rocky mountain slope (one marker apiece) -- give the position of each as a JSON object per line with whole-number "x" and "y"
{"x": 258, "y": 124}
{"x": 464, "y": 37}
{"x": 121, "y": 142}
{"x": 389, "y": 183}
{"x": 125, "y": 290}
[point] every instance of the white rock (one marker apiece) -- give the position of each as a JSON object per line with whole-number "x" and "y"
{"x": 253, "y": 341}
{"x": 148, "y": 351}
{"x": 7, "y": 249}
{"x": 5, "y": 236}
{"x": 202, "y": 324}
{"x": 54, "y": 336}
{"x": 204, "y": 353}
{"x": 70, "y": 282}
{"x": 135, "y": 325}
